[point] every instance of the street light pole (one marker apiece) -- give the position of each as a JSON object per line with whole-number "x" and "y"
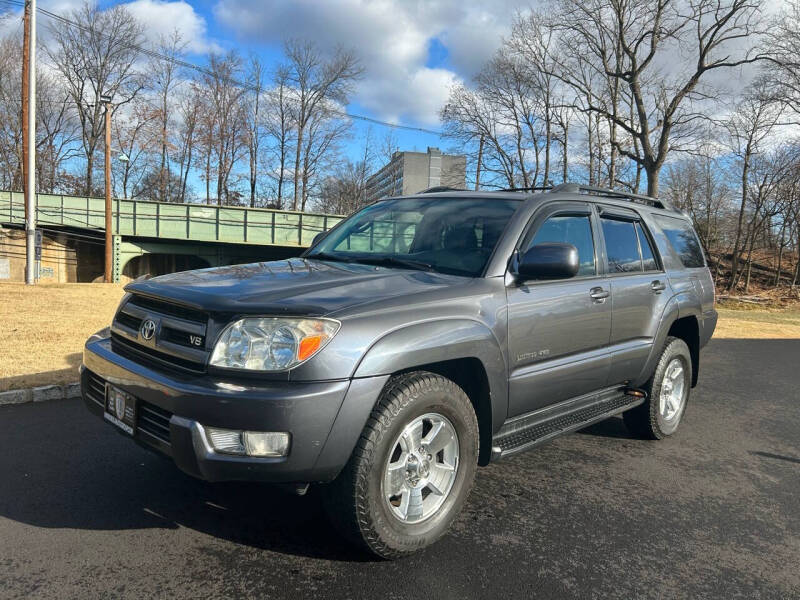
{"x": 109, "y": 233}
{"x": 30, "y": 167}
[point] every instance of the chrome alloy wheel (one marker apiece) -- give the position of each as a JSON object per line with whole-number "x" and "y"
{"x": 673, "y": 386}
{"x": 421, "y": 468}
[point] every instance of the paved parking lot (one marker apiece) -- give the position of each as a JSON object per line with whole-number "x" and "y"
{"x": 713, "y": 512}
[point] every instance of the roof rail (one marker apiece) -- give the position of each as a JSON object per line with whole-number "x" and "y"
{"x": 576, "y": 188}
{"x": 441, "y": 188}
{"x": 535, "y": 188}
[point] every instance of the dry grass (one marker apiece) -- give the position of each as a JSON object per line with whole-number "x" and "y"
{"x": 754, "y": 322}
{"x": 44, "y": 328}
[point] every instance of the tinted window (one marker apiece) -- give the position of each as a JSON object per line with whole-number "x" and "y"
{"x": 575, "y": 230}
{"x": 648, "y": 257}
{"x": 622, "y": 246}
{"x": 683, "y": 239}
{"x": 452, "y": 235}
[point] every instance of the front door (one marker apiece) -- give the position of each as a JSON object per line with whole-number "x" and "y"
{"x": 558, "y": 331}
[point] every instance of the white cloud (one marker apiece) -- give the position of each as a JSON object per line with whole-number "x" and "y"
{"x": 391, "y": 37}
{"x": 162, "y": 18}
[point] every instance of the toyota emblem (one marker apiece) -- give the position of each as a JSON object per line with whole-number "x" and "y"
{"x": 148, "y": 329}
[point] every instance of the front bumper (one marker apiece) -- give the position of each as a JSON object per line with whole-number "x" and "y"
{"x": 324, "y": 419}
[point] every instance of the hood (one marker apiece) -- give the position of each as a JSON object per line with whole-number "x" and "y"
{"x": 297, "y": 286}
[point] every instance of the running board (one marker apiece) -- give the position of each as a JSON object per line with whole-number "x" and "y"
{"x": 543, "y": 425}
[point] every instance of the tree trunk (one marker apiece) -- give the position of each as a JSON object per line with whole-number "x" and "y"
{"x": 89, "y": 169}
{"x": 740, "y": 221}
{"x": 653, "y": 172}
{"x": 478, "y": 168}
{"x": 781, "y": 246}
{"x": 590, "y": 137}
{"x": 547, "y": 139}
{"x": 297, "y": 166}
{"x": 565, "y": 166}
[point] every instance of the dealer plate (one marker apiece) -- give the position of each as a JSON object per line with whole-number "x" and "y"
{"x": 120, "y": 409}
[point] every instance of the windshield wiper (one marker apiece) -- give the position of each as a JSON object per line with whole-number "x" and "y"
{"x": 396, "y": 261}
{"x": 330, "y": 257}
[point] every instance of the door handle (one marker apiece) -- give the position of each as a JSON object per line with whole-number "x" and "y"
{"x": 658, "y": 286}
{"x": 598, "y": 294}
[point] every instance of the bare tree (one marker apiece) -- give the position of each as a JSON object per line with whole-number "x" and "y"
{"x": 57, "y": 131}
{"x": 190, "y": 111}
{"x": 315, "y": 82}
{"x": 164, "y": 77}
{"x": 754, "y": 120}
{"x": 254, "y": 100}
{"x": 96, "y": 57}
{"x": 279, "y": 126}
{"x": 345, "y": 190}
{"x": 629, "y": 42}
{"x": 323, "y": 134}
{"x": 129, "y": 130}
{"x": 226, "y": 119}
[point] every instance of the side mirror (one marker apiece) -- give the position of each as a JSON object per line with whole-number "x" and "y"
{"x": 552, "y": 260}
{"x": 319, "y": 237}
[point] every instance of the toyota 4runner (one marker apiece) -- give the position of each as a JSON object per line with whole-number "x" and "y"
{"x": 421, "y": 337}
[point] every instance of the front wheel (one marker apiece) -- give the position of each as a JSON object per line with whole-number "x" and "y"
{"x": 412, "y": 469}
{"x": 667, "y": 394}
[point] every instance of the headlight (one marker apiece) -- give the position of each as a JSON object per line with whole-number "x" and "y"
{"x": 271, "y": 344}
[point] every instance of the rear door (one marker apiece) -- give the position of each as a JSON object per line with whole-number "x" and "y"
{"x": 558, "y": 331}
{"x": 638, "y": 289}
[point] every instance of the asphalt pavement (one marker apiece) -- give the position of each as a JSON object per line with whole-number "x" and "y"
{"x": 712, "y": 512}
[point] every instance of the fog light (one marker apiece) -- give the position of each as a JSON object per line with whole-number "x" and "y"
{"x": 250, "y": 443}
{"x": 266, "y": 443}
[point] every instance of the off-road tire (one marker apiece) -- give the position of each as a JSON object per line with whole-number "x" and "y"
{"x": 354, "y": 502}
{"x": 645, "y": 420}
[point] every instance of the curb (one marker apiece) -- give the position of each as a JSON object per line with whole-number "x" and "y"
{"x": 41, "y": 394}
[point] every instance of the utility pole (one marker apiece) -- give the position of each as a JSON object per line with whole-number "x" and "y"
{"x": 26, "y": 34}
{"x": 106, "y": 100}
{"x": 30, "y": 163}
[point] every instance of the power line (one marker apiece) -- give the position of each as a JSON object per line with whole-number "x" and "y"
{"x": 205, "y": 71}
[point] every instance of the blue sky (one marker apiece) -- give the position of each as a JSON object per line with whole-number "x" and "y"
{"x": 412, "y": 51}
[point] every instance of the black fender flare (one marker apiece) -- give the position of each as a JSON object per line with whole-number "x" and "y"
{"x": 681, "y": 305}
{"x": 438, "y": 341}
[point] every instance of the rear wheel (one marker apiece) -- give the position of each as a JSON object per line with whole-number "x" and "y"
{"x": 412, "y": 469}
{"x": 667, "y": 394}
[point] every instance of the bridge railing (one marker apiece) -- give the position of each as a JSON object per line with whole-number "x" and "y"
{"x": 196, "y": 222}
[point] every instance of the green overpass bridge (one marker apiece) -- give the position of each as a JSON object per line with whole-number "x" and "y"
{"x": 212, "y": 235}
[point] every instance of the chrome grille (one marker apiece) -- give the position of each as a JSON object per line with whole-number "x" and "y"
{"x": 180, "y": 339}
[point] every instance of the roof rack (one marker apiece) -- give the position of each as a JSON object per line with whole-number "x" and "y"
{"x": 536, "y": 188}
{"x": 576, "y": 188}
{"x": 441, "y": 188}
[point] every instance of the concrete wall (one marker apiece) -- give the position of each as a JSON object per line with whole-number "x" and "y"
{"x": 59, "y": 257}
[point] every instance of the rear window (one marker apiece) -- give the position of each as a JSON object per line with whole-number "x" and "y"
{"x": 683, "y": 240}
{"x": 622, "y": 246}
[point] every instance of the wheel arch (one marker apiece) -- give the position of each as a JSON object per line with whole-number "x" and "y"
{"x": 680, "y": 319}
{"x": 688, "y": 329}
{"x": 462, "y": 350}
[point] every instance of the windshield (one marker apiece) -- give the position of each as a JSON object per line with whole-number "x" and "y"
{"x": 448, "y": 235}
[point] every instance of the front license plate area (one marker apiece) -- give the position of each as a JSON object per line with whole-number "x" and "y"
{"x": 120, "y": 409}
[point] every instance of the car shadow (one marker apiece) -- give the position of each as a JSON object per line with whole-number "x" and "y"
{"x": 70, "y": 470}
{"x": 56, "y": 376}
{"x": 613, "y": 427}
{"x": 790, "y": 459}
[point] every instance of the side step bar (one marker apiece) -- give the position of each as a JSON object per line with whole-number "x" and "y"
{"x": 543, "y": 425}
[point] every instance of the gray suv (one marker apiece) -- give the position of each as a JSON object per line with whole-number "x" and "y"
{"x": 421, "y": 337}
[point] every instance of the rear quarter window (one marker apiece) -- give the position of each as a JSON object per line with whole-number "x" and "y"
{"x": 683, "y": 240}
